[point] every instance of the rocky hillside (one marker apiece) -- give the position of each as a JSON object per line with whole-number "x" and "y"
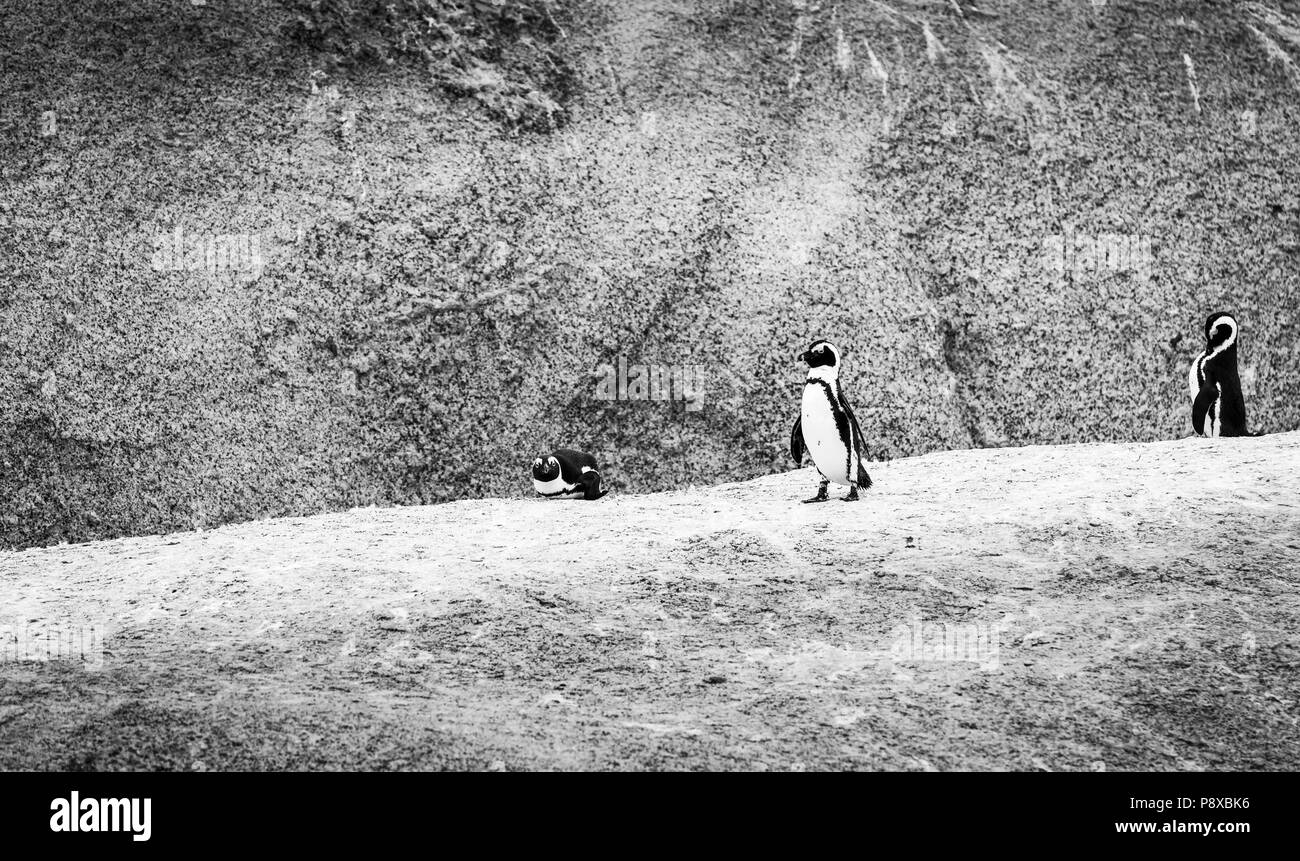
{"x": 1077, "y": 607}
{"x": 270, "y": 258}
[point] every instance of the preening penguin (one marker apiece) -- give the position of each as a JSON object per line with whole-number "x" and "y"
{"x": 1218, "y": 408}
{"x": 827, "y": 428}
{"x": 565, "y": 472}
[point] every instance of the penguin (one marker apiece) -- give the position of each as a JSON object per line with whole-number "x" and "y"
{"x": 1218, "y": 409}
{"x": 827, "y": 428}
{"x": 567, "y": 473}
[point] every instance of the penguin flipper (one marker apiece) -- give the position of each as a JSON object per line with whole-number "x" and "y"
{"x": 863, "y": 480}
{"x": 1208, "y": 394}
{"x": 796, "y": 441}
{"x": 858, "y": 439}
{"x": 591, "y": 485}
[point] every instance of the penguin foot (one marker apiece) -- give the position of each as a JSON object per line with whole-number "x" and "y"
{"x": 821, "y": 492}
{"x": 853, "y": 495}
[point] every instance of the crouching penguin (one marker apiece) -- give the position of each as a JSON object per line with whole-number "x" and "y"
{"x": 565, "y": 473}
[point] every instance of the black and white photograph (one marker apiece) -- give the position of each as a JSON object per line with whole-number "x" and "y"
{"x": 650, "y": 386}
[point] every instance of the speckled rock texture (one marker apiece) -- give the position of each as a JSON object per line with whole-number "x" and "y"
{"x": 1013, "y": 218}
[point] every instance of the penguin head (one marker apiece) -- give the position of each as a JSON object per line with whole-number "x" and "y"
{"x": 822, "y": 354}
{"x": 545, "y": 467}
{"x": 1220, "y": 332}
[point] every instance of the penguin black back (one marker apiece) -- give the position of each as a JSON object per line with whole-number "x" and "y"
{"x": 1218, "y": 406}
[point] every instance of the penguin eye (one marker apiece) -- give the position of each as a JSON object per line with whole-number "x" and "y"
{"x": 819, "y": 349}
{"x": 537, "y": 462}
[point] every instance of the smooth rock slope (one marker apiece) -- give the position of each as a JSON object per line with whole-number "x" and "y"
{"x": 1105, "y": 606}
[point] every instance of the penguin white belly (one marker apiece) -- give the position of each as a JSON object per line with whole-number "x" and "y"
{"x": 1193, "y": 378}
{"x": 821, "y": 436}
{"x": 554, "y": 486}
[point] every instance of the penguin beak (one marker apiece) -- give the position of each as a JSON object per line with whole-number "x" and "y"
{"x": 803, "y": 357}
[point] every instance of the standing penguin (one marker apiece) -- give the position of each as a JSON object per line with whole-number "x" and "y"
{"x": 565, "y": 472}
{"x": 1218, "y": 409}
{"x": 827, "y": 428}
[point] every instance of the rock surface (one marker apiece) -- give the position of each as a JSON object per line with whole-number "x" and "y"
{"x": 1076, "y": 607}
{"x": 1013, "y": 217}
